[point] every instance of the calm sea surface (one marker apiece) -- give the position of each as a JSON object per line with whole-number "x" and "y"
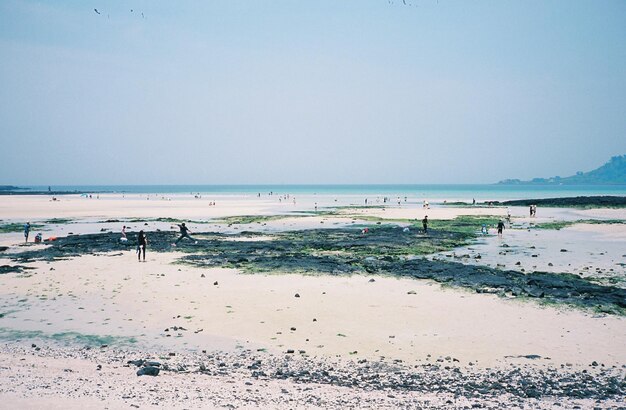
{"x": 449, "y": 192}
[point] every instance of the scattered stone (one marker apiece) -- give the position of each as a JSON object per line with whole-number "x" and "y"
{"x": 148, "y": 371}
{"x": 297, "y": 295}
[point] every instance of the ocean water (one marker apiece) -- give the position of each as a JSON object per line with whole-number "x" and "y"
{"x": 480, "y": 192}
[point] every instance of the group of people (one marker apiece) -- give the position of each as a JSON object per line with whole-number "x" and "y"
{"x": 142, "y": 239}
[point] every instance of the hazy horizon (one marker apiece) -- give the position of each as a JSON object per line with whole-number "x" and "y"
{"x": 324, "y": 92}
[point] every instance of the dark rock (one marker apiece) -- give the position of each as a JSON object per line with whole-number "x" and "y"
{"x": 297, "y": 295}
{"x": 148, "y": 371}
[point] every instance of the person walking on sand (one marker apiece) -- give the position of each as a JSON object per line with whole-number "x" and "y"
{"x": 184, "y": 233}
{"x": 142, "y": 243}
{"x": 500, "y": 228}
{"x": 26, "y": 231}
{"x": 425, "y": 223}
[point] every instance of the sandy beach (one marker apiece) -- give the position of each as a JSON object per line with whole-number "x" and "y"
{"x": 207, "y": 326}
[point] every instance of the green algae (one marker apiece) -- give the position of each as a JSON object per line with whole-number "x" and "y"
{"x": 8, "y": 334}
{"x": 250, "y": 219}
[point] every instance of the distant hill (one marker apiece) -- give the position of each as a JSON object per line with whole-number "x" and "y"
{"x": 611, "y": 173}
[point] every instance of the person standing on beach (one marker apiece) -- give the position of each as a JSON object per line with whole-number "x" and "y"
{"x": 142, "y": 243}
{"x": 26, "y": 231}
{"x": 500, "y": 228}
{"x": 184, "y": 233}
{"x": 124, "y": 231}
{"x": 425, "y": 223}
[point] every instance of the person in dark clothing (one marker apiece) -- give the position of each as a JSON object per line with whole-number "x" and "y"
{"x": 142, "y": 242}
{"x": 425, "y": 223}
{"x": 184, "y": 233}
{"x": 26, "y": 231}
{"x": 500, "y": 228}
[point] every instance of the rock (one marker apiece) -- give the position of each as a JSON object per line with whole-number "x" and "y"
{"x": 171, "y": 354}
{"x": 297, "y": 295}
{"x": 202, "y": 276}
{"x": 550, "y": 264}
{"x": 372, "y": 280}
{"x": 563, "y": 250}
{"x": 137, "y": 363}
{"x": 411, "y": 292}
{"x": 315, "y": 320}
{"x": 594, "y": 363}
{"x": 148, "y": 371}
{"x": 215, "y": 283}
{"x": 293, "y": 329}
{"x": 290, "y": 351}
{"x": 518, "y": 263}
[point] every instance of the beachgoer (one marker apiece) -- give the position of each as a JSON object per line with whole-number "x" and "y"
{"x": 38, "y": 238}
{"x": 484, "y": 230}
{"x": 425, "y": 223}
{"x": 142, "y": 242}
{"x": 531, "y": 211}
{"x": 26, "y": 231}
{"x": 508, "y": 216}
{"x": 500, "y": 228}
{"x": 534, "y": 211}
{"x": 473, "y": 201}
{"x": 124, "y": 231}
{"x": 184, "y": 233}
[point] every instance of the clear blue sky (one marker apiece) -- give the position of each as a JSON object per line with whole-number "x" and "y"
{"x": 272, "y": 91}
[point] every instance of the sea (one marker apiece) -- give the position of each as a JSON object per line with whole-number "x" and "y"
{"x": 448, "y": 192}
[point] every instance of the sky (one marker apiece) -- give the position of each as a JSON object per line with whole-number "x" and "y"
{"x": 309, "y": 92}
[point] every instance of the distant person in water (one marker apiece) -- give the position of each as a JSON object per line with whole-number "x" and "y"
{"x": 473, "y": 201}
{"x": 425, "y": 223}
{"x": 142, "y": 242}
{"x": 184, "y": 233}
{"x": 26, "y": 231}
{"x": 124, "y": 231}
{"x": 500, "y": 228}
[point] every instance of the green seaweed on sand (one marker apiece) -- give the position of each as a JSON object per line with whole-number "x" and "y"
{"x": 69, "y": 337}
{"x": 250, "y": 219}
{"x": 58, "y": 221}
{"x": 18, "y": 227}
{"x": 557, "y": 225}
